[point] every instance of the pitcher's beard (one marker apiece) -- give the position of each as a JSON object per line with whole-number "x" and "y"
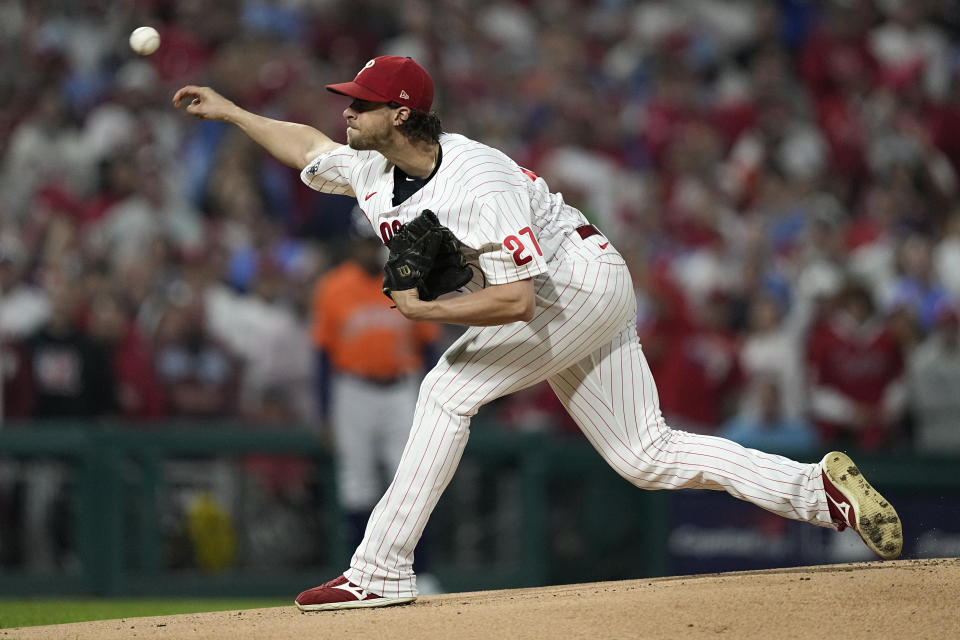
{"x": 368, "y": 142}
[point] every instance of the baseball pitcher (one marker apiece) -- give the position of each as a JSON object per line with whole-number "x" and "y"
{"x": 549, "y": 298}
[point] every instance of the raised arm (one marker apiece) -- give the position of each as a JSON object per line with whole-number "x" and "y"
{"x": 293, "y": 144}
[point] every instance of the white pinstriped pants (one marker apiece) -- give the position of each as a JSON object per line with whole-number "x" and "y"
{"x": 583, "y": 341}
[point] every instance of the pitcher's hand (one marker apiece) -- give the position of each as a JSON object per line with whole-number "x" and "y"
{"x": 408, "y": 303}
{"x": 204, "y": 103}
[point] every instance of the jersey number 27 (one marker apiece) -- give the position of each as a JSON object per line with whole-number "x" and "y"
{"x": 514, "y": 244}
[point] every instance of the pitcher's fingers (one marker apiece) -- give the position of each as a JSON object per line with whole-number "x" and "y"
{"x": 184, "y": 92}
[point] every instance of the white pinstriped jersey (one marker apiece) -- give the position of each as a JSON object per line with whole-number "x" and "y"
{"x": 505, "y": 215}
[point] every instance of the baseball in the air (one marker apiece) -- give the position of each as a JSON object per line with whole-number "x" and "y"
{"x": 144, "y": 40}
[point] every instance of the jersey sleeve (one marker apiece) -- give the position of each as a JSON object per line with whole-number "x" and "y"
{"x": 330, "y": 172}
{"x": 508, "y": 249}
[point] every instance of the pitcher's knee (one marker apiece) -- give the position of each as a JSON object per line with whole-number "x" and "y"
{"x": 443, "y": 413}
{"x": 439, "y": 396}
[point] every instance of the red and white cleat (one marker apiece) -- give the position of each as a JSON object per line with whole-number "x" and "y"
{"x": 340, "y": 593}
{"x": 855, "y": 504}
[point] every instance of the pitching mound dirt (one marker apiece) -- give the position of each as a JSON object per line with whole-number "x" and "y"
{"x": 913, "y": 599}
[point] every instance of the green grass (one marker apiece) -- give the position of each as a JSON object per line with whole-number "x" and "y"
{"x": 31, "y": 612}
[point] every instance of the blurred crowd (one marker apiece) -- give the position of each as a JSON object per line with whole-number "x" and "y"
{"x": 780, "y": 174}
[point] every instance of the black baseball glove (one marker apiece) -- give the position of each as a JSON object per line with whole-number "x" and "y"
{"x": 450, "y": 270}
{"x": 426, "y": 255}
{"x": 413, "y": 249}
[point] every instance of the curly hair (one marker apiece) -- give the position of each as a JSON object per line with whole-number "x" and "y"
{"x": 420, "y": 126}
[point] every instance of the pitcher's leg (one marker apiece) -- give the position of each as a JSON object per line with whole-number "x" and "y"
{"x": 383, "y": 563}
{"x": 482, "y": 365}
{"x": 612, "y": 396}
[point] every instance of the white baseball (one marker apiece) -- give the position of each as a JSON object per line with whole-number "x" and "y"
{"x": 144, "y": 40}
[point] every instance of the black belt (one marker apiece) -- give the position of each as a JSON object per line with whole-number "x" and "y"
{"x": 587, "y": 230}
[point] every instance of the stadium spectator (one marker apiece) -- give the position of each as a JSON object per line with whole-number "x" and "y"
{"x": 872, "y": 237}
{"x": 856, "y": 370}
{"x": 153, "y": 211}
{"x": 915, "y": 289}
{"x": 132, "y": 115}
{"x": 664, "y": 319}
{"x": 934, "y": 368}
{"x": 17, "y": 398}
{"x": 139, "y": 395}
{"x": 946, "y": 257}
{"x": 770, "y": 350}
{"x": 909, "y": 47}
{"x": 701, "y": 380}
{"x": 272, "y": 347}
{"x": 71, "y": 374}
{"x": 762, "y": 423}
{"x": 199, "y": 376}
{"x": 24, "y": 306}
{"x": 42, "y": 147}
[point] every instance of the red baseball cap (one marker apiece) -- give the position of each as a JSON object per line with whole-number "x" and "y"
{"x": 390, "y": 79}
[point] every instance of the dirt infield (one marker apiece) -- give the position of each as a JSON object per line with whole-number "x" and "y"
{"x": 913, "y": 599}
